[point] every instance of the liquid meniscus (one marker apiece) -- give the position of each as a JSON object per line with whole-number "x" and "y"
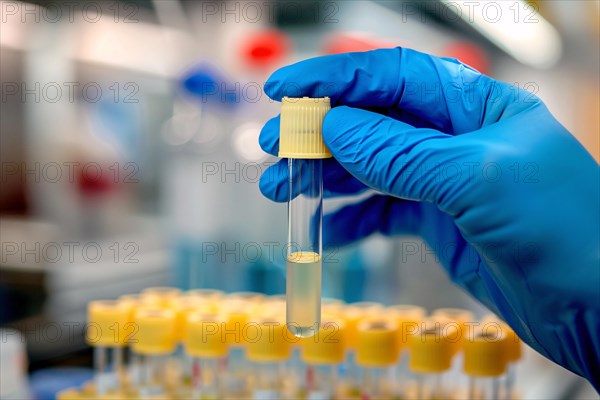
{"x": 303, "y": 293}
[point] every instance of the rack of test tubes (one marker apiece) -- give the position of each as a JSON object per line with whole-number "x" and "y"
{"x": 204, "y": 344}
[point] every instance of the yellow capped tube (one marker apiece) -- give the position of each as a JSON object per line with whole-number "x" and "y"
{"x": 237, "y": 309}
{"x": 485, "y": 362}
{"x": 322, "y": 354}
{"x": 154, "y": 341}
{"x": 408, "y": 318}
{"x": 268, "y": 348}
{"x": 301, "y": 141}
{"x": 353, "y": 314}
{"x": 431, "y": 351}
{"x": 513, "y": 350}
{"x": 108, "y": 331}
{"x": 463, "y": 319}
{"x": 206, "y": 344}
{"x": 377, "y": 352}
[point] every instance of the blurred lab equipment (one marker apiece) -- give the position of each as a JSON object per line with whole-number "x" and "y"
{"x": 150, "y": 112}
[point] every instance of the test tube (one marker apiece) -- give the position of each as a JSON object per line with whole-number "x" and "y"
{"x": 132, "y": 302}
{"x": 408, "y": 318}
{"x": 377, "y": 352}
{"x": 268, "y": 350}
{"x": 180, "y": 363}
{"x": 431, "y": 352}
{"x": 237, "y": 310}
{"x": 204, "y": 342}
{"x": 107, "y": 333}
{"x": 465, "y": 321}
{"x": 323, "y": 354}
{"x": 353, "y": 314}
{"x": 154, "y": 341}
{"x": 485, "y": 363}
{"x": 301, "y": 141}
{"x": 513, "y": 352}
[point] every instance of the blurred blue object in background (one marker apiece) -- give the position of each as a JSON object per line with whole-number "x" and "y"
{"x": 208, "y": 84}
{"x": 46, "y": 383}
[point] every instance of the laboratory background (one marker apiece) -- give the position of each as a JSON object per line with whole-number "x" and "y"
{"x": 130, "y": 165}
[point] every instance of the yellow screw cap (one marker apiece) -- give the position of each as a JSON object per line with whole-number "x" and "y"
{"x": 160, "y": 295}
{"x": 485, "y": 353}
{"x": 513, "y": 343}
{"x": 155, "y": 331}
{"x": 238, "y": 307}
{"x": 328, "y": 345}
{"x": 300, "y": 131}
{"x": 461, "y": 318}
{"x": 134, "y": 301}
{"x": 377, "y": 343}
{"x": 431, "y": 348}
{"x": 182, "y": 306}
{"x": 407, "y": 317}
{"x": 268, "y": 340}
{"x": 108, "y": 324}
{"x": 353, "y": 314}
{"x": 204, "y": 337}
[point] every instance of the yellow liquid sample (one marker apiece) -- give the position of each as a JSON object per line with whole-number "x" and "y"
{"x": 303, "y": 293}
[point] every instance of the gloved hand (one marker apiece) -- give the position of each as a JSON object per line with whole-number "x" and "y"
{"x": 480, "y": 169}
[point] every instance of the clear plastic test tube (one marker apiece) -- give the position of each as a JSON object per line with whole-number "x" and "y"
{"x": 107, "y": 333}
{"x": 205, "y": 344}
{"x": 464, "y": 320}
{"x": 323, "y": 354}
{"x": 268, "y": 351}
{"x": 408, "y": 318}
{"x": 485, "y": 363}
{"x": 301, "y": 141}
{"x": 431, "y": 352}
{"x": 237, "y": 308}
{"x": 377, "y": 352}
{"x": 354, "y": 314}
{"x": 154, "y": 341}
{"x": 513, "y": 351}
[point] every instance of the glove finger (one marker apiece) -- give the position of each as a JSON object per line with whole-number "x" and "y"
{"x": 453, "y": 97}
{"x": 274, "y": 182}
{"x": 269, "y": 136}
{"x": 393, "y": 157}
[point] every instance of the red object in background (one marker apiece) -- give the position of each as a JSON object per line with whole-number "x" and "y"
{"x": 265, "y": 49}
{"x": 470, "y": 54}
{"x": 350, "y": 42}
{"x": 93, "y": 179}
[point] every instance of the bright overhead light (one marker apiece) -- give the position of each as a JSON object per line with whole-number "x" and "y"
{"x": 514, "y": 26}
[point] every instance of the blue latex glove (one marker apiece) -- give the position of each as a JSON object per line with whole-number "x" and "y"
{"x": 480, "y": 169}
